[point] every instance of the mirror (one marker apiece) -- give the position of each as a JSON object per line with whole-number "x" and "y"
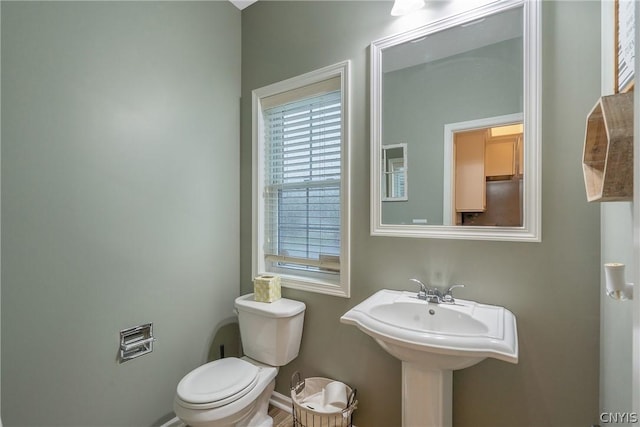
{"x": 394, "y": 173}
{"x": 462, "y": 94}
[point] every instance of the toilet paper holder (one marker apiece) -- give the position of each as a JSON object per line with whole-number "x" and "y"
{"x": 616, "y": 286}
{"x": 136, "y": 341}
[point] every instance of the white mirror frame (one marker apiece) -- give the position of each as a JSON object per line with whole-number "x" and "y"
{"x": 531, "y": 229}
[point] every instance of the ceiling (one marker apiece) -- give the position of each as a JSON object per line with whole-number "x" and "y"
{"x": 241, "y": 4}
{"x": 455, "y": 40}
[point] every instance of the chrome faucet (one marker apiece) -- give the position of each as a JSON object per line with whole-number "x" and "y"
{"x": 448, "y": 294}
{"x": 434, "y": 294}
{"x": 422, "y": 292}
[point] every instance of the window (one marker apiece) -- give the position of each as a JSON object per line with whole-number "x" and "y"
{"x": 301, "y": 186}
{"x": 396, "y": 167}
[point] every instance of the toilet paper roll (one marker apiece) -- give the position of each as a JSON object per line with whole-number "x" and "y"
{"x": 315, "y": 401}
{"x": 616, "y": 286}
{"x": 614, "y": 276}
{"x": 335, "y": 395}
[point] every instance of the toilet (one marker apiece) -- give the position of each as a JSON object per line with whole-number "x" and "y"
{"x": 236, "y": 391}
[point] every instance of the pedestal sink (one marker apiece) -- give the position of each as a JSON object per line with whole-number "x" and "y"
{"x": 433, "y": 340}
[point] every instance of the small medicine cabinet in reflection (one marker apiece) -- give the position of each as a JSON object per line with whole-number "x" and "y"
{"x": 394, "y": 166}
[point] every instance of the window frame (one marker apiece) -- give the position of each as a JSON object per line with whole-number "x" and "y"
{"x": 307, "y": 281}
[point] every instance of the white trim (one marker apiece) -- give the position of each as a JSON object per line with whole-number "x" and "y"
{"x": 281, "y": 401}
{"x": 174, "y": 422}
{"x": 343, "y": 71}
{"x": 449, "y": 170}
{"x": 531, "y": 230}
{"x": 315, "y": 89}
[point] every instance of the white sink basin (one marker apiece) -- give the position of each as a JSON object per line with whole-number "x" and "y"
{"x": 450, "y": 320}
{"x": 445, "y": 336}
{"x": 448, "y": 336}
{"x": 433, "y": 340}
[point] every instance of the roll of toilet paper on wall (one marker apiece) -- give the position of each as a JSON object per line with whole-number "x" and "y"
{"x": 614, "y": 276}
{"x": 335, "y": 394}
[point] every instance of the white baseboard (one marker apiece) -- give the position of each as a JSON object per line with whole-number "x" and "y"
{"x": 281, "y": 401}
{"x": 174, "y": 422}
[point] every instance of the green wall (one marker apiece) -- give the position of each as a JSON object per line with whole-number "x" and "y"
{"x": 552, "y": 286}
{"x": 120, "y": 206}
{"x": 120, "y": 202}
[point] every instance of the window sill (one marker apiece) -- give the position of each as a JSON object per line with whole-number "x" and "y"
{"x": 315, "y": 285}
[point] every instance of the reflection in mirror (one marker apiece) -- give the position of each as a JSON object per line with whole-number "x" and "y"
{"x": 394, "y": 169}
{"x": 484, "y": 172}
{"x": 457, "y": 93}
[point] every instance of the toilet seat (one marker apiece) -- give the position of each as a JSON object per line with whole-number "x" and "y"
{"x": 217, "y": 383}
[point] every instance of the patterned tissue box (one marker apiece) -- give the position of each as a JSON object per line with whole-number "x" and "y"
{"x": 266, "y": 288}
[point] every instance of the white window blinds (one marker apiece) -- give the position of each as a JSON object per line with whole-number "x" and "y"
{"x": 302, "y": 152}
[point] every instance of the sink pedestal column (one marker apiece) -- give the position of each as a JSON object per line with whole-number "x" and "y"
{"x": 427, "y": 396}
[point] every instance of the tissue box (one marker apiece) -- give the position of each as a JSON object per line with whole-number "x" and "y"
{"x": 266, "y": 288}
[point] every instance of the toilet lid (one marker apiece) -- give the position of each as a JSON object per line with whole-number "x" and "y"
{"x": 221, "y": 381}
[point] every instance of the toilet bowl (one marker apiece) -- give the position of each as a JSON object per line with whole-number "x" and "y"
{"x": 236, "y": 391}
{"x": 238, "y": 403}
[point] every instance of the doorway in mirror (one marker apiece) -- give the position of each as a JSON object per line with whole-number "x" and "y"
{"x": 487, "y": 176}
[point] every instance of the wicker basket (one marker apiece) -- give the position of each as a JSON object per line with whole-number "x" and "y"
{"x": 305, "y": 416}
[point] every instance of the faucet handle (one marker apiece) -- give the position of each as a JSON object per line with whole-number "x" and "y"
{"x": 452, "y": 287}
{"x": 448, "y": 294}
{"x": 422, "y": 292}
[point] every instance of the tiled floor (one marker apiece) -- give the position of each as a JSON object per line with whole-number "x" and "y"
{"x": 280, "y": 417}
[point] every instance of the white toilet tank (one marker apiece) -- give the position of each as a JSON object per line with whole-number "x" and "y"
{"x": 270, "y": 332}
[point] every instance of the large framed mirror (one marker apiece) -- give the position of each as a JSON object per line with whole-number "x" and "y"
{"x": 462, "y": 93}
